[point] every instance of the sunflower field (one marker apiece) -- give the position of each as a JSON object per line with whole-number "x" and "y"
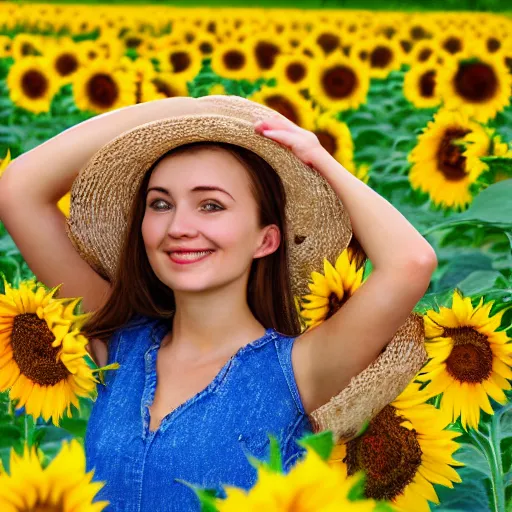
{"x": 416, "y": 105}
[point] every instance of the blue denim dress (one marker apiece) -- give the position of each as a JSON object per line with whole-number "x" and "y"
{"x": 204, "y": 440}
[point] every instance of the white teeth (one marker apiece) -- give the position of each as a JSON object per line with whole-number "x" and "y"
{"x": 190, "y": 255}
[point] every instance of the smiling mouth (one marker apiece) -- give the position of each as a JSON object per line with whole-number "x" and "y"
{"x": 189, "y": 257}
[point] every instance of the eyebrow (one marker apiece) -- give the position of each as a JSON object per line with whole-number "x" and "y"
{"x": 199, "y": 188}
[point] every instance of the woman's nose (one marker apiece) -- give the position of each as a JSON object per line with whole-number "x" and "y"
{"x": 181, "y": 223}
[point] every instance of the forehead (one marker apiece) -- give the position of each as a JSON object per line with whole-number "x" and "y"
{"x": 214, "y": 165}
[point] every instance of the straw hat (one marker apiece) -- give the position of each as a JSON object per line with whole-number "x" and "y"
{"x": 318, "y": 226}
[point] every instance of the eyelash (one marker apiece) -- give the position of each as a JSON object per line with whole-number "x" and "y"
{"x": 220, "y": 208}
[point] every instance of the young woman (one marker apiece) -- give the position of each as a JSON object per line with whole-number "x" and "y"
{"x": 200, "y": 303}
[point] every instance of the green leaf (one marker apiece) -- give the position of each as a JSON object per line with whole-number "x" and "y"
{"x": 479, "y": 282}
{"x": 357, "y": 490}
{"x": 498, "y": 164}
{"x": 207, "y": 497}
{"x": 9, "y": 434}
{"x": 322, "y": 443}
{"x": 492, "y": 206}
{"x": 276, "y": 463}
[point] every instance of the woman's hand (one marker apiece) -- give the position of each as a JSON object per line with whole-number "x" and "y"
{"x": 303, "y": 143}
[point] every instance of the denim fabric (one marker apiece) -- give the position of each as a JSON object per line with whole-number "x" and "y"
{"x": 204, "y": 440}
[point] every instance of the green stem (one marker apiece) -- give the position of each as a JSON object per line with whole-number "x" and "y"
{"x": 488, "y": 448}
{"x": 29, "y": 430}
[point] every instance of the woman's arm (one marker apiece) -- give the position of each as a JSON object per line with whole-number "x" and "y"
{"x": 386, "y": 236}
{"x": 46, "y": 173}
{"x": 326, "y": 357}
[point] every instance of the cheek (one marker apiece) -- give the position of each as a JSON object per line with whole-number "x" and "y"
{"x": 149, "y": 233}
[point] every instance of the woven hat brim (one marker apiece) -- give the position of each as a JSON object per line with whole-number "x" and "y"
{"x": 102, "y": 194}
{"x": 377, "y": 385}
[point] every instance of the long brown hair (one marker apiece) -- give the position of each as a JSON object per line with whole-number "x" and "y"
{"x": 137, "y": 290}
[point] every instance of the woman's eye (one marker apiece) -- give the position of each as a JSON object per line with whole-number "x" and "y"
{"x": 217, "y": 207}
{"x": 152, "y": 205}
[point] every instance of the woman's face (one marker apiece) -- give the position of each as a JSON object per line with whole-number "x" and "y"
{"x": 185, "y": 217}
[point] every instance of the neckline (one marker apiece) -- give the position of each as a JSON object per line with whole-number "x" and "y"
{"x": 162, "y": 327}
{"x": 158, "y": 332}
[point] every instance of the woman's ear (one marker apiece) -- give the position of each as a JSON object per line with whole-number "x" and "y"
{"x": 270, "y": 242}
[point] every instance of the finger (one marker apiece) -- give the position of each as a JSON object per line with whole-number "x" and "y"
{"x": 282, "y": 136}
{"x": 277, "y": 122}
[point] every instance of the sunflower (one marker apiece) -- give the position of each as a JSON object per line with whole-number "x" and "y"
{"x": 326, "y": 37}
{"x": 162, "y": 85}
{"x": 475, "y": 82}
{"x": 42, "y": 351}
{"x": 32, "y": 84}
{"x": 90, "y": 51}
{"x": 205, "y": 44}
{"x": 336, "y": 139}
{"x": 423, "y": 51}
{"x": 183, "y": 61}
{"x": 101, "y": 87}
{"x": 293, "y": 70}
{"x": 404, "y": 450}
{"x": 288, "y": 102}
{"x": 452, "y": 41}
{"x": 330, "y": 291}
{"x": 420, "y": 86}
{"x": 442, "y": 167}
{"x": 340, "y": 82}
{"x": 470, "y": 358}
{"x": 235, "y": 61}
{"x": 63, "y": 485}
{"x": 65, "y": 58}
{"x": 5, "y": 46}
{"x": 265, "y": 47}
{"x": 26, "y": 45}
{"x": 382, "y": 55}
{"x": 311, "y": 484}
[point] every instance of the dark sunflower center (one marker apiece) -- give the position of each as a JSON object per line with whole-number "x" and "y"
{"x": 179, "y": 61}
{"x": 133, "y": 42}
{"x": 425, "y": 54}
{"x": 476, "y": 81}
{"x": 427, "y": 84}
{"x": 265, "y": 54}
{"x": 452, "y": 45}
{"x": 493, "y": 44}
{"x": 339, "y": 82}
{"x": 33, "y": 352}
{"x": 418, "y": 32}
{"x": 163, "y": 88}
{"x": 283, "y": 106}
{"x": 328, "y": 42}
{"x": 327, "y": 140}
{"x": 28, "y": 49}
{"x": 102, "y": 90}
{"x": 471, "y": 357}
{"x": 450, "y": 160}
{"x": 380, "y": 57}
{"x": 406, "y": 45}
{"x": 234, "y": 59}
{"x": 295, "y": 72}
{"x": 206, "y": 48}
{"x": 389, "y": 454}
{"x": 335, "y": 304}
{"x": 34, "y": 84}
{"x": 66, "y": 64}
